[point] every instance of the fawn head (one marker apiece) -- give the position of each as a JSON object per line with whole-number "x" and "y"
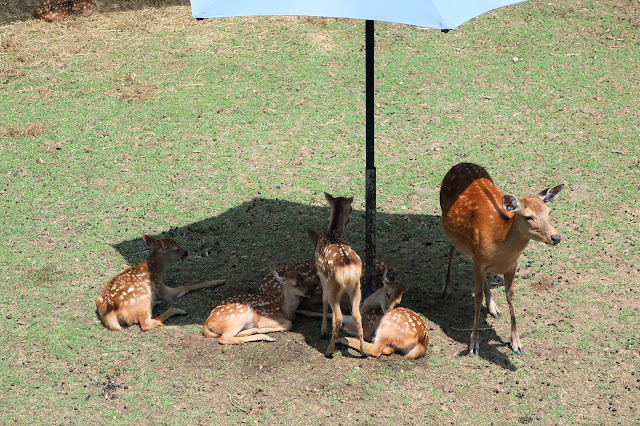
{"x": 340, "y": 210}
{"x": 165, "y": 248}
{"x": 532, "y": 215}
{"x": 392, "y": 292}
{"x": 294, "y": 283}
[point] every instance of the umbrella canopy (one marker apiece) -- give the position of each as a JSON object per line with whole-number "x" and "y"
{"x": 437, "y": 14}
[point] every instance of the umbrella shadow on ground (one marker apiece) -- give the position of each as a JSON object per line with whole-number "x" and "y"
{"x": 241, "y": 244}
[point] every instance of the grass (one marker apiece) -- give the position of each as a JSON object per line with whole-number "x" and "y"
{"x": 223, "y": 135}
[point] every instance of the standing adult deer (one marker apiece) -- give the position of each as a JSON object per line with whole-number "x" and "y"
{"x": 129, "y": 297}
{"x": 247, "y": 317}
{"x": 493, "y": 229}
{"x": 339, "y": 268}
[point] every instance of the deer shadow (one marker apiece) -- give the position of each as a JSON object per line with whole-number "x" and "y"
{"x": 241, "y": 244}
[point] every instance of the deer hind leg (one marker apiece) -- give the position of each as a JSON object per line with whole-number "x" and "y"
{"x": 479, "y": 277}
{"x": 149, "y": 323}
{"x": 230, "y": 339}
{"x": 355, "y": 296}
{"x": 508, "y": 286}
{"x": 416, "y": 352}
{"x": 325, "y": 302}
{"x": 446, "y": 288}
{"x": 110, "y": 320}
{"x": 373, "y": 349}
{"x": 170, "y": 293}
{"x": 334, "y": 294}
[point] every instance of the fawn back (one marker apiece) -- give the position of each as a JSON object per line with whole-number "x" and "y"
{"x": 246, "y": 317}
{"x": 57, "y": 10}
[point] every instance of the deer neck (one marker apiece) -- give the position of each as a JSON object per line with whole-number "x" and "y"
{"x": 157, "y": 264}
{"x": 514, "y": 241}
{"x": 288, "y": 304}
{"x": 370, "y": 303}
{"x": 336, "y": 224}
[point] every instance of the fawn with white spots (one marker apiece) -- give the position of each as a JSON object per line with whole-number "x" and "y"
{"x": 308, "y": 270}
{"x": 493, "y": 229}
{"x": 57, "y": 10}
{"x": 390, "y": 328}
{"x": 129, "y": 297}
{"x": 339, "y": 268}
{"x": 247, "y": 317}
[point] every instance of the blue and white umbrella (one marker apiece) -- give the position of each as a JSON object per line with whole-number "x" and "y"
{"x": 437, "y": 14}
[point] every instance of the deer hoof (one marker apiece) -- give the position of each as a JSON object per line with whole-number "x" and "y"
{"x": 328, "y": 355}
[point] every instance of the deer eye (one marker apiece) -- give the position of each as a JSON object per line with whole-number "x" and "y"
{"x": 529, "y": 218}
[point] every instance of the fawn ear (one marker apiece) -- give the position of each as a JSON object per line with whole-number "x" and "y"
{"x": 313, "y": 235}
{"x": 550, "y": 194}
{"x": 276, "y": 275}
{"x": 510, "y": 203}
{"x": 328, "y": 197}
{"x": 350, "y": 200}
{"x": 149, "y": 240}
{"x": 385, "y": 277}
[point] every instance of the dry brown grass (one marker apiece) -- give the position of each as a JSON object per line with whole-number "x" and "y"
{"x": 30, "y": 130}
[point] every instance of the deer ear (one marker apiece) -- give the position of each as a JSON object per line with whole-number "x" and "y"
{"x": 385, "y": 278}
{"x": 313, "y": 235}
{"x": 148, "y": 240}
{"x": 328, "y": 197}
{"x": 510, "y": 203}
{"x": 550, "y": 194}
{"x": 276, "y": 275}
{"x": 350, "y": 200}
{"x": 403, "y": 289}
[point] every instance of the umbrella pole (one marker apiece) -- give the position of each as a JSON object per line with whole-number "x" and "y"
{"x": 370, "y": 208}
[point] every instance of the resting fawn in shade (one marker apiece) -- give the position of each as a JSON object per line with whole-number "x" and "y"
{"x": 57, "y": 10}
{"x": 339, "y": 268}
{"x": 246, "y": 317}
{"x": 129, "y": 297}
{"x": 493, "y": 229}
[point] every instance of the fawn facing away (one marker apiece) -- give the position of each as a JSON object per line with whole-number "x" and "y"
{"x": 308, "y": 270}
{"x": 57, "y": 10}
{"x": 339, "y": 268}
{"x": 493, "y": 229}
{"x": 129, "y": 297}
{"x": 246, "y": 317}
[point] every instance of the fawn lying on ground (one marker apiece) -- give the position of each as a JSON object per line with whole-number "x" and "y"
{"x": 57, "y": 10}
{"x": 339, "y": 268}
{"x": 129, "y": 297}
{"x": 246, "y": 317}
{"x": 493, "y": 229}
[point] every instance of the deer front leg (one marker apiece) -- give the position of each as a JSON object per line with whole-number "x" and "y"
{"x": 170, "y": 293}
{"x": 509, "y": 289}
{"x": 149, "y": 323}
{"x": 446, "y": 288}
{"x": 479, "y": 277}
{"x": 491, "y": 304}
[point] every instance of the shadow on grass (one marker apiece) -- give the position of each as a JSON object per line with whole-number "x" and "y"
{"x": 241, "y": 245}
